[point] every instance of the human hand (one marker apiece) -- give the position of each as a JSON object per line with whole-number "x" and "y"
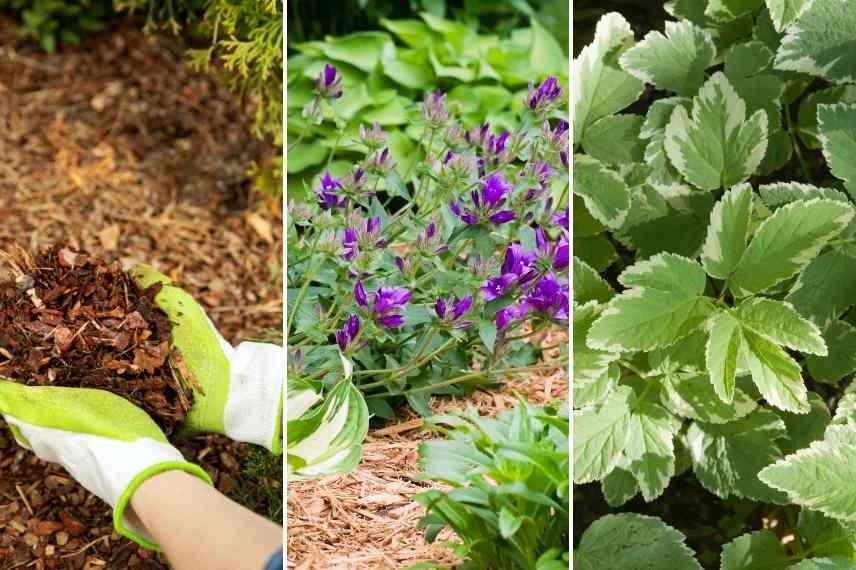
{"x": 237, "y": 390}
{"x": 107, "y": 444}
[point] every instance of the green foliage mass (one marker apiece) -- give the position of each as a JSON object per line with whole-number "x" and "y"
{"x": 714, "y": 285}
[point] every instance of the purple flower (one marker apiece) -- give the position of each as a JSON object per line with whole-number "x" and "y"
{"x": 347, "y": 335}
{"x": 356, "y": 240}
{"x": 386, "y": 304}
{"x": 329, "y": 83}
{"x": 506, "y": 315}
{"x": 380, "y": 162}
{"x": 458, "y": 308}
{"x": 486, "y": 204}
{"x": 429, "y": 241}
{"x": 360, "y": 295}
{"x": 545, "y": 97}
{"x": 517, "y": 261}
{"x": 496, "y": 287}
{"x": 555, "y": 254}
{"x": 548, "y": 297}
{"x": 563, "y": 218}
{"x": 434, "y": 109}
{"x": 328, "y": 199}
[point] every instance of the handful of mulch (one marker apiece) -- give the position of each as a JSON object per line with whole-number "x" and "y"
{"x": 71, "y": 319}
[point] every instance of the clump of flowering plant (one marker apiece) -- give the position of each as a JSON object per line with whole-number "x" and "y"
{"x": 413, "y": 282}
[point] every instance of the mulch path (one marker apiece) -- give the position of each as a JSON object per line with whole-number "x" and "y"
{"x": 367, "y": 519}
{"x": 116, "y": 147}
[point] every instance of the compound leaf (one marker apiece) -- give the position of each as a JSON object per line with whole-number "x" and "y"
{"x": 728, "y": 232}
{"x": 837, "y": 128}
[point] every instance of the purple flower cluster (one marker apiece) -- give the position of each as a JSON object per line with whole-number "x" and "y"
{"x": 556, "y": 255}
{"x": 328, "y": 198}
{"x": 547, "y": 297}
{"x": 346, "y": 337}
{"x": 385, "y": 306}
{"x": 366, "y": 239}
{"x": 545, "y": 97}
{"x": 487, "y": 204}
{"x": 434, "y": 110}
{"x": 450, "y": 311}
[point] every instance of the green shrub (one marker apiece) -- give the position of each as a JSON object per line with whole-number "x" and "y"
{"x": 51, "y": 22}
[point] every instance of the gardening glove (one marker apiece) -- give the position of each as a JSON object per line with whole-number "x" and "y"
{"x": 107, "y": 444}
{"x": 237, "y": 390}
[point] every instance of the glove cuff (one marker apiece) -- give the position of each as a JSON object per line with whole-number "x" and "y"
{"x": 253, "y": 411}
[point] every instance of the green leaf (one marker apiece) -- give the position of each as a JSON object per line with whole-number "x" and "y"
{"x": 599, "y": 86}
{"x": 723, "y": 349}
{"x": 361, "y": 49}
{"x": 837, "y": 563}
{"x": 728, "y": 232}
{"x": 747, "y": 59}
{"x": 837, "y": 130}
{"x": 410, "y": 68}
{"x": 693, "y": 397}
{"x": 728, "y": 10}
{"x": 633, "y": 542}
{"x": 841, "y": 360}
{"x": 596, "y": 251}
{"x": 776, "y": 374}
{"x": 819, "y": 477}
{"x": 650, "y": 448}
{"x": 487, "y": 333}
{"x": 718, "y": 147}
{"x": 619, "y": 486}
{"x": 509, "y": 523}
{"x": 546, "y": 56}
{"x": 614, "y": 139}
{"x": 759, "y": 550}
{"x": 780, "y": 323}
{"x": 785, "y": 12}
{"x": 826, "y": 288}
{"x": 664, "y": 303}
{"x": 780, "y": 194}
{"x": 588, "y": 285}
{"x": 821, "y": 42}
{"x": 727, "y": 457}
{"x": 600, "y": 435}
{"x": 686, "y": 355}
{"x": 604, "y": 192}
{"x": 675, "y": 61}
{"x": 807, "y": 118}
{"x": 803, "y": 429}
{"x": 589, "y": 365}
{"x": 825, "y": 536}
{"x": 786, "y": 242}
{"x": 304, "y": 155}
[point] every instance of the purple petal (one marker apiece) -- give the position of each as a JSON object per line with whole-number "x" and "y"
{"x": 462, "y": 307}
{"x": 399, "y": 262}
{"x": 391, "y": 321}
{"x": 496, "y": 287}
{"x": 541, "y": 240}
{"x": 440, "y": 308}
{"x": 471, "y": 219}
{"x": 353, "y": 326}
{"x": 360, "y": 295}
{"x": 502, "y": 217}
{"x": 350, "y": 236}
{"x": 329, "y": 75}
{"x": 342, "y": 339}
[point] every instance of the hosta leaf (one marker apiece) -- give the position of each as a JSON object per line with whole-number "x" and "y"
{"x": 787, "y": 241}
{"x": 600, "y": 436}
{"x": 693, "y": 397}
{"x": 633, "y": 542}
{"x": 819, "y": 477}
{"x": 588, "y": 285}
{"x": 759, "y": 550}
{"x": 841, "y": 360}
{"x": 675, "y": 61}
{"x": 598, "y": 86}
{"x": 826, "y": 288}
{"x": 780, "y": 323}
{"x": 604, "y": 192}
{"x": 717, "y": 147}
{"x": 728, "y": 232}
{"x": 650, "y": 448}
{"x": 727, "y": 457}
{"x": 822, "y": 42}
{"x": 836, "y": 126}
{"x": 785, "y": 12}
{"x": 663, "y": 304}
{"x": 723, "y": 350}
{"x": 614, "y": 139}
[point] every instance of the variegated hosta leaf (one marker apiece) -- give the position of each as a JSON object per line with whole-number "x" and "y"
{"x": 717, "y": 147}
{"x": 598, "y": 86}
{"x": 663, "y": 304}
{"x": 727, "y": 457}
{"x": 328, "y": 439}
{"x": 633, "y": 542}
{"x": 836, "y": 126}
{"x": 822, "y": 42}
{"x": 675, "y": 61}
{"x": 604, "y": 192}
{"x": 786, "y": 242}
{"x": 785, "y": 12}
{"x": 819, "y": 477}
{"x": 728, "y": 232}
{"x": 300, "y": 397}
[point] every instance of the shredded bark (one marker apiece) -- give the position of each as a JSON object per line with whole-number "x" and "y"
{"x": 72, "y": 319}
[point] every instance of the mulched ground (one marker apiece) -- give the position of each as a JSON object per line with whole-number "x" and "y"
{"x": 367, "y": 519}
{"x": 116, "y": 147}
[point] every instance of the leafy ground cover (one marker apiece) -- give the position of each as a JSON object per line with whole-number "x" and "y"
{"x": 713, "y": 288}
{"x": 119, "y": 147}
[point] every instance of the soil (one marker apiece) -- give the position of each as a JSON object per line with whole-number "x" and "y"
{"x": 72, "y": 319}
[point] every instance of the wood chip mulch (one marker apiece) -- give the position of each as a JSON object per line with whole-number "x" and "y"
{"x": 366, "y": 519}
{"x": 116, "y": 147}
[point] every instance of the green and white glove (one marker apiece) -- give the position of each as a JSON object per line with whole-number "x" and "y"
{"x": 107, "y": 444}
{"x": 237, "y": 390}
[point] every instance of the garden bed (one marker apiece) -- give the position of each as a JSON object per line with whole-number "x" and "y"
{"x": 116, "y": 147}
